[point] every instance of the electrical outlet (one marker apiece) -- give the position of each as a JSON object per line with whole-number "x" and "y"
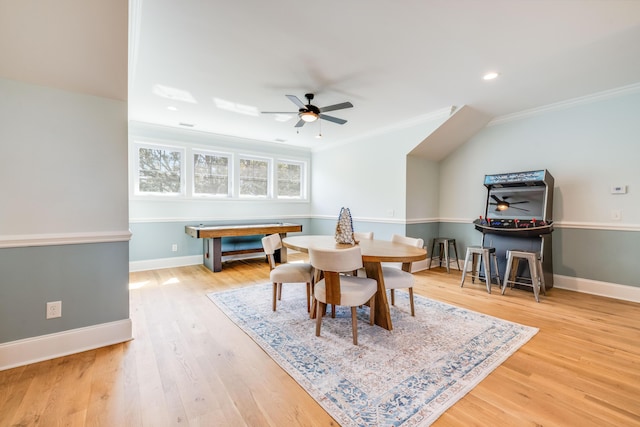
{"x": 54, "y": 309}
{"x": 174, "y": 247}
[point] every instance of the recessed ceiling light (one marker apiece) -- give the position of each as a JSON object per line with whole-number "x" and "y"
{"x": 490, "y": 76}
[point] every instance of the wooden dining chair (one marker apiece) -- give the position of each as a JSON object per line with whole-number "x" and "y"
{"x": 395, "y": 278}
{"x": 339, "y": 289}
{"x": 297, "y": 272}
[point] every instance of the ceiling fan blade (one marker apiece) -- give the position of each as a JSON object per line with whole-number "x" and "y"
{"x": 517, "y": 203}
{"x": 493, "y": 196}
{"x": 336, "y": 107}
{"x": 520, "y": 209}
{"x": 300, "y": 123}
{"x": 296, "y": 101}
{"x": 332, "y": 119}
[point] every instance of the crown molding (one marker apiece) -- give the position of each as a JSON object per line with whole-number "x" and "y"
{"x": 563, "y": 105}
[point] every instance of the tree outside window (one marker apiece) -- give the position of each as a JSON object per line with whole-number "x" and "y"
{"x": 211, "y": 174}
{"x": 289, "y": 180}
{"x": 159, "y": 170}
{"x": 254, "y": 177}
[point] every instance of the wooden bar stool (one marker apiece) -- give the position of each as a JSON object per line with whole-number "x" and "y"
{"x": 477, "y": 255}
{"x": 443, "y": 249}
{"x": 535, "y": 271}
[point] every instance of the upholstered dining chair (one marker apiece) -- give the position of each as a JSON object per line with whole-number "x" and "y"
{"x": 338, "y": 289}
{"x": 358, "y": 236}
{"x": 294, "y": 272}
{"x": 395, "y": 278}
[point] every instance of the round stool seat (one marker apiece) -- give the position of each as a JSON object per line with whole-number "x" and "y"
{"x": 443, "y": 248}
{"x": 478, "y": 255}
{"x": 534, "y": 262}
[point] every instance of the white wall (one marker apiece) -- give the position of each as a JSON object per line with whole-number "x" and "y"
{"x": 423, "y": 189}
{"x": 157, "y": 209}
{"x": 587, "y": 146}
{"x": 368, "y": 175}
{"x": 62, "y": 171}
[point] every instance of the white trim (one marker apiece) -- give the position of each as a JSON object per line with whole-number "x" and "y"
{"x": 156, "y": 264}
{"x": 598, "y": 226}
{"x": 566, "y": 104}
{"x": 183, "y": 261}
{"x": 557, "y": 224}
{"x": 45, "y": 347}
{"x": 594, "y": 287}
{"x": 361, "y": 219}
{"x": 200, "y": 220}
{"x": 19, "y": 241}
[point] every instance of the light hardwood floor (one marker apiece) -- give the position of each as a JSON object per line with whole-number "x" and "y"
{"x": 190, "y": 365}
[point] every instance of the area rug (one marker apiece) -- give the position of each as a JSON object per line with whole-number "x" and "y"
{"x": 405, "y": 377}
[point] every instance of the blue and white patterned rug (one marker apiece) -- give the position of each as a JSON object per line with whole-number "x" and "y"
{"x": 405, "y": 377}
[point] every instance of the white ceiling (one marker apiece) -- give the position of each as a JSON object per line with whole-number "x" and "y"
{"x": 395, "y": 61}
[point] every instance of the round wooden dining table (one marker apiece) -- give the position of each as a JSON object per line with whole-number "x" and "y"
{"x": 374, "y": 253}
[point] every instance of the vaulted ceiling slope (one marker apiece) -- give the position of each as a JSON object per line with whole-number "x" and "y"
{"x": 213, "y": 66}
{"x": 395, "y": 61}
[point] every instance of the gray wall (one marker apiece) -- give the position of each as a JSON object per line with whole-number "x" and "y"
{"x": 63, "y": 217}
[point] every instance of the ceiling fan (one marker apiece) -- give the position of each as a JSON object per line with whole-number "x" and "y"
{"x": 310, "y": 113}
{"x": 503, "y": 205}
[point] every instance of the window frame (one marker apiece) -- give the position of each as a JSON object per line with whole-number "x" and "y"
{"x": 230, "y": 173}
{"x": 270, "y": 174}
{"x": 136, "y": 169}
{"x": 303, "y": 179}
{"x": 188, "y": 150}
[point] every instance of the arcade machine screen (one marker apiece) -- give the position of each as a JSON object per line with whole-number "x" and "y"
{"x": 522, "y": 204}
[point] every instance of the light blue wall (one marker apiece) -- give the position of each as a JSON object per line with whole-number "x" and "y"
{"x": 63, "y": 167}
{"x": 157, "y": 223}
{"x": 154, "y": 240}
{"x": 587, "y": 146}
{"x": 91, "y": 280}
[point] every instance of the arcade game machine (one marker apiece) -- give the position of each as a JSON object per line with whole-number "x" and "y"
{"x": 518, "y": 215}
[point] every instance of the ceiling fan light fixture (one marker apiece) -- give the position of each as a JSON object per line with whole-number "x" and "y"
{"x": 308, "y": 116}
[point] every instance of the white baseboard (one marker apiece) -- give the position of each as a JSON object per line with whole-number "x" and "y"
{"x": 156, "y": 264}
{"x": 183, "y": 261}
{"x": 594, "y": 287}
{"x": 45, "y": 347}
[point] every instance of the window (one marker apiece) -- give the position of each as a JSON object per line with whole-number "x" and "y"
{"x": 254, "y": 177}
{"x": 159, "y": 170}
{"x": 179, "y": 170}
{"x": 211, "y": 172}
{"x": 290, "y": 181}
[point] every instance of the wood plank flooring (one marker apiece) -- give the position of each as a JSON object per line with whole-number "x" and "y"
{"x": 189, "y": 365}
